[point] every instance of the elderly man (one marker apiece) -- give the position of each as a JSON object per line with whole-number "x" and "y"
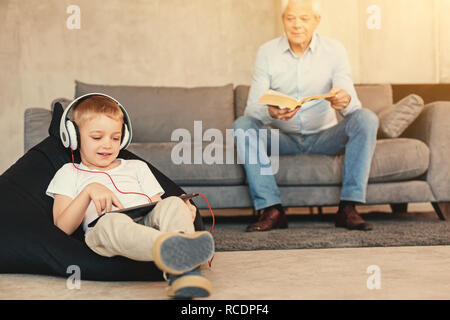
{"x": 303, "y": 63}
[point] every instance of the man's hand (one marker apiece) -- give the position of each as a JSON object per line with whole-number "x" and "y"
{"x": 191, "y": 207}
{"x": 103, "y": 197}
{"x": 341, "y": 99}
{"x": 282, "y": 114}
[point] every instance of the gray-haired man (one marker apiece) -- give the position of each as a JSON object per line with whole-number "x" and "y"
{"x": 303, "y": 63}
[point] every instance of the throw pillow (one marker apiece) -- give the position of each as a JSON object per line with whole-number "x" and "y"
{"x": 396, "y": 119}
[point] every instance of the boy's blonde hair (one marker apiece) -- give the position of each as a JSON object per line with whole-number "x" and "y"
{"x": 93, "y": 106}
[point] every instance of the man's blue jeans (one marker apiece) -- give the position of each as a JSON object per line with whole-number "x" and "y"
{"x": 356, "y": 134}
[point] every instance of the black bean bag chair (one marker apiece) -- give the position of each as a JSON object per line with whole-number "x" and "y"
{"x": 31, "y": 243}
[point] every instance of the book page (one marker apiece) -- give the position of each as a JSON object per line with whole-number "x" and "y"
{"x": 323, "y": 96}
{"x": 279, "y": 94}
{"x": 275, "y": 98}
{"x": 278, "y": 99}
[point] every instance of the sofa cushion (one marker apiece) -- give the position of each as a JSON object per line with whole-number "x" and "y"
{"x": 397, "y": 118}
{"x": 240, "y": 99}
{"x": 204, "y": 172}
{"x": 36, "y": 121}
{"x": 375, "y": 97}
{"x": 156, "y": 112}
{"x": 394, "y": 160}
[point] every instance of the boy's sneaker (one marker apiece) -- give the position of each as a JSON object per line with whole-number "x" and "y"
{"x": 177, "y": 253}
{"x": 189, "y": 285}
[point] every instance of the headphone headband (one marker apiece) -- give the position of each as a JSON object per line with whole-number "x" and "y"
{"x": 67, "y": 131}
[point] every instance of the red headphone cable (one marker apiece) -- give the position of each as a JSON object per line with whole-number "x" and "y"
{"x": 142, "y": 194}
{"x": 213, "y": 222}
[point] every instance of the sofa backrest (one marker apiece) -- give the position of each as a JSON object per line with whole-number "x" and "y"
{"x": 429, "y": 92}
{"x": 375, "y": 97}
{"x": 156, "y": 112}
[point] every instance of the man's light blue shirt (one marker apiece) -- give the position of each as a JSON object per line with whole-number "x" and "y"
{"x": 324, "y": 65}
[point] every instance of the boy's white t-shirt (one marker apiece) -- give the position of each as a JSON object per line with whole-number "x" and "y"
{"x": 128, "y": 176}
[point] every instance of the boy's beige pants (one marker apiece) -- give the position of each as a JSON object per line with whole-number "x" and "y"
{"x": 117, "y": 234}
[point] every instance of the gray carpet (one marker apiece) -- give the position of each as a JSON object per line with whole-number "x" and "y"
{"x": 315, "y": 232}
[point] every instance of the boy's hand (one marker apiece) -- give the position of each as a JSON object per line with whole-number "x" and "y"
{"x": 191, "y": 207}
{"x": 103, "y": 197}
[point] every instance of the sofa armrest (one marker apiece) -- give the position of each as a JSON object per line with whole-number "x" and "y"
{"x": 36, "y": 123}
{"x": 433, "y": 128}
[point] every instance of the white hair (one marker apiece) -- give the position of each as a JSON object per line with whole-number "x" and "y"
{"x": 315, "y": 5}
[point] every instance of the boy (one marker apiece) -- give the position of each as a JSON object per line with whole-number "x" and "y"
{"x": 82, "y": 192}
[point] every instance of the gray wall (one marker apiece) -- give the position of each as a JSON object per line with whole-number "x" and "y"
{"x": 191, "y": 43}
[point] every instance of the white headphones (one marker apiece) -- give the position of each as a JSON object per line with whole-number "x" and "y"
{"x": 68, "y": 130}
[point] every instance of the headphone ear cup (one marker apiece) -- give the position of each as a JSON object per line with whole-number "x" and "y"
{"x": 78, "y": 140}
{"x": 74, "y": 134}
{"x": 125, "y": 136}
{"x": 122, "y": 135}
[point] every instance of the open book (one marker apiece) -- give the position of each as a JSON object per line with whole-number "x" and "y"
{"x": 278, "y": 99}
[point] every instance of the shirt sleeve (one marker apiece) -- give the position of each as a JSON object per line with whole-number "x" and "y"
{"x": 342, "y": 78}
{"x": 260, "y": 84}
{"x": 64, "y": 183}
{"x": 149, "y": 185}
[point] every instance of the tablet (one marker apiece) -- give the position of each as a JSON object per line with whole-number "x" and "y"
{"x": 140, "y": 210}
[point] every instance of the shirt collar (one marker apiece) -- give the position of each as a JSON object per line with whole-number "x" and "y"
{"x": 313, "y": 44}
{"x": 284, "y": 43}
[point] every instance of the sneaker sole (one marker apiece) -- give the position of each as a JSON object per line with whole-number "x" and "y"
{"x": 177, "y": 253}
{"x": 190, "y": 287}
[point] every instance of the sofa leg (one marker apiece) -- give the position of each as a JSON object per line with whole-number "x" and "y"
{"x": 256, "y": 213}
{"x": 399, "y": 207}
{"x": 442, "y": 209}
{"x": 319, "y": 211}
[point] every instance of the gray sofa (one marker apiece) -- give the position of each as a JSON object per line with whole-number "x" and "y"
{"x": 412, "y": 168}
